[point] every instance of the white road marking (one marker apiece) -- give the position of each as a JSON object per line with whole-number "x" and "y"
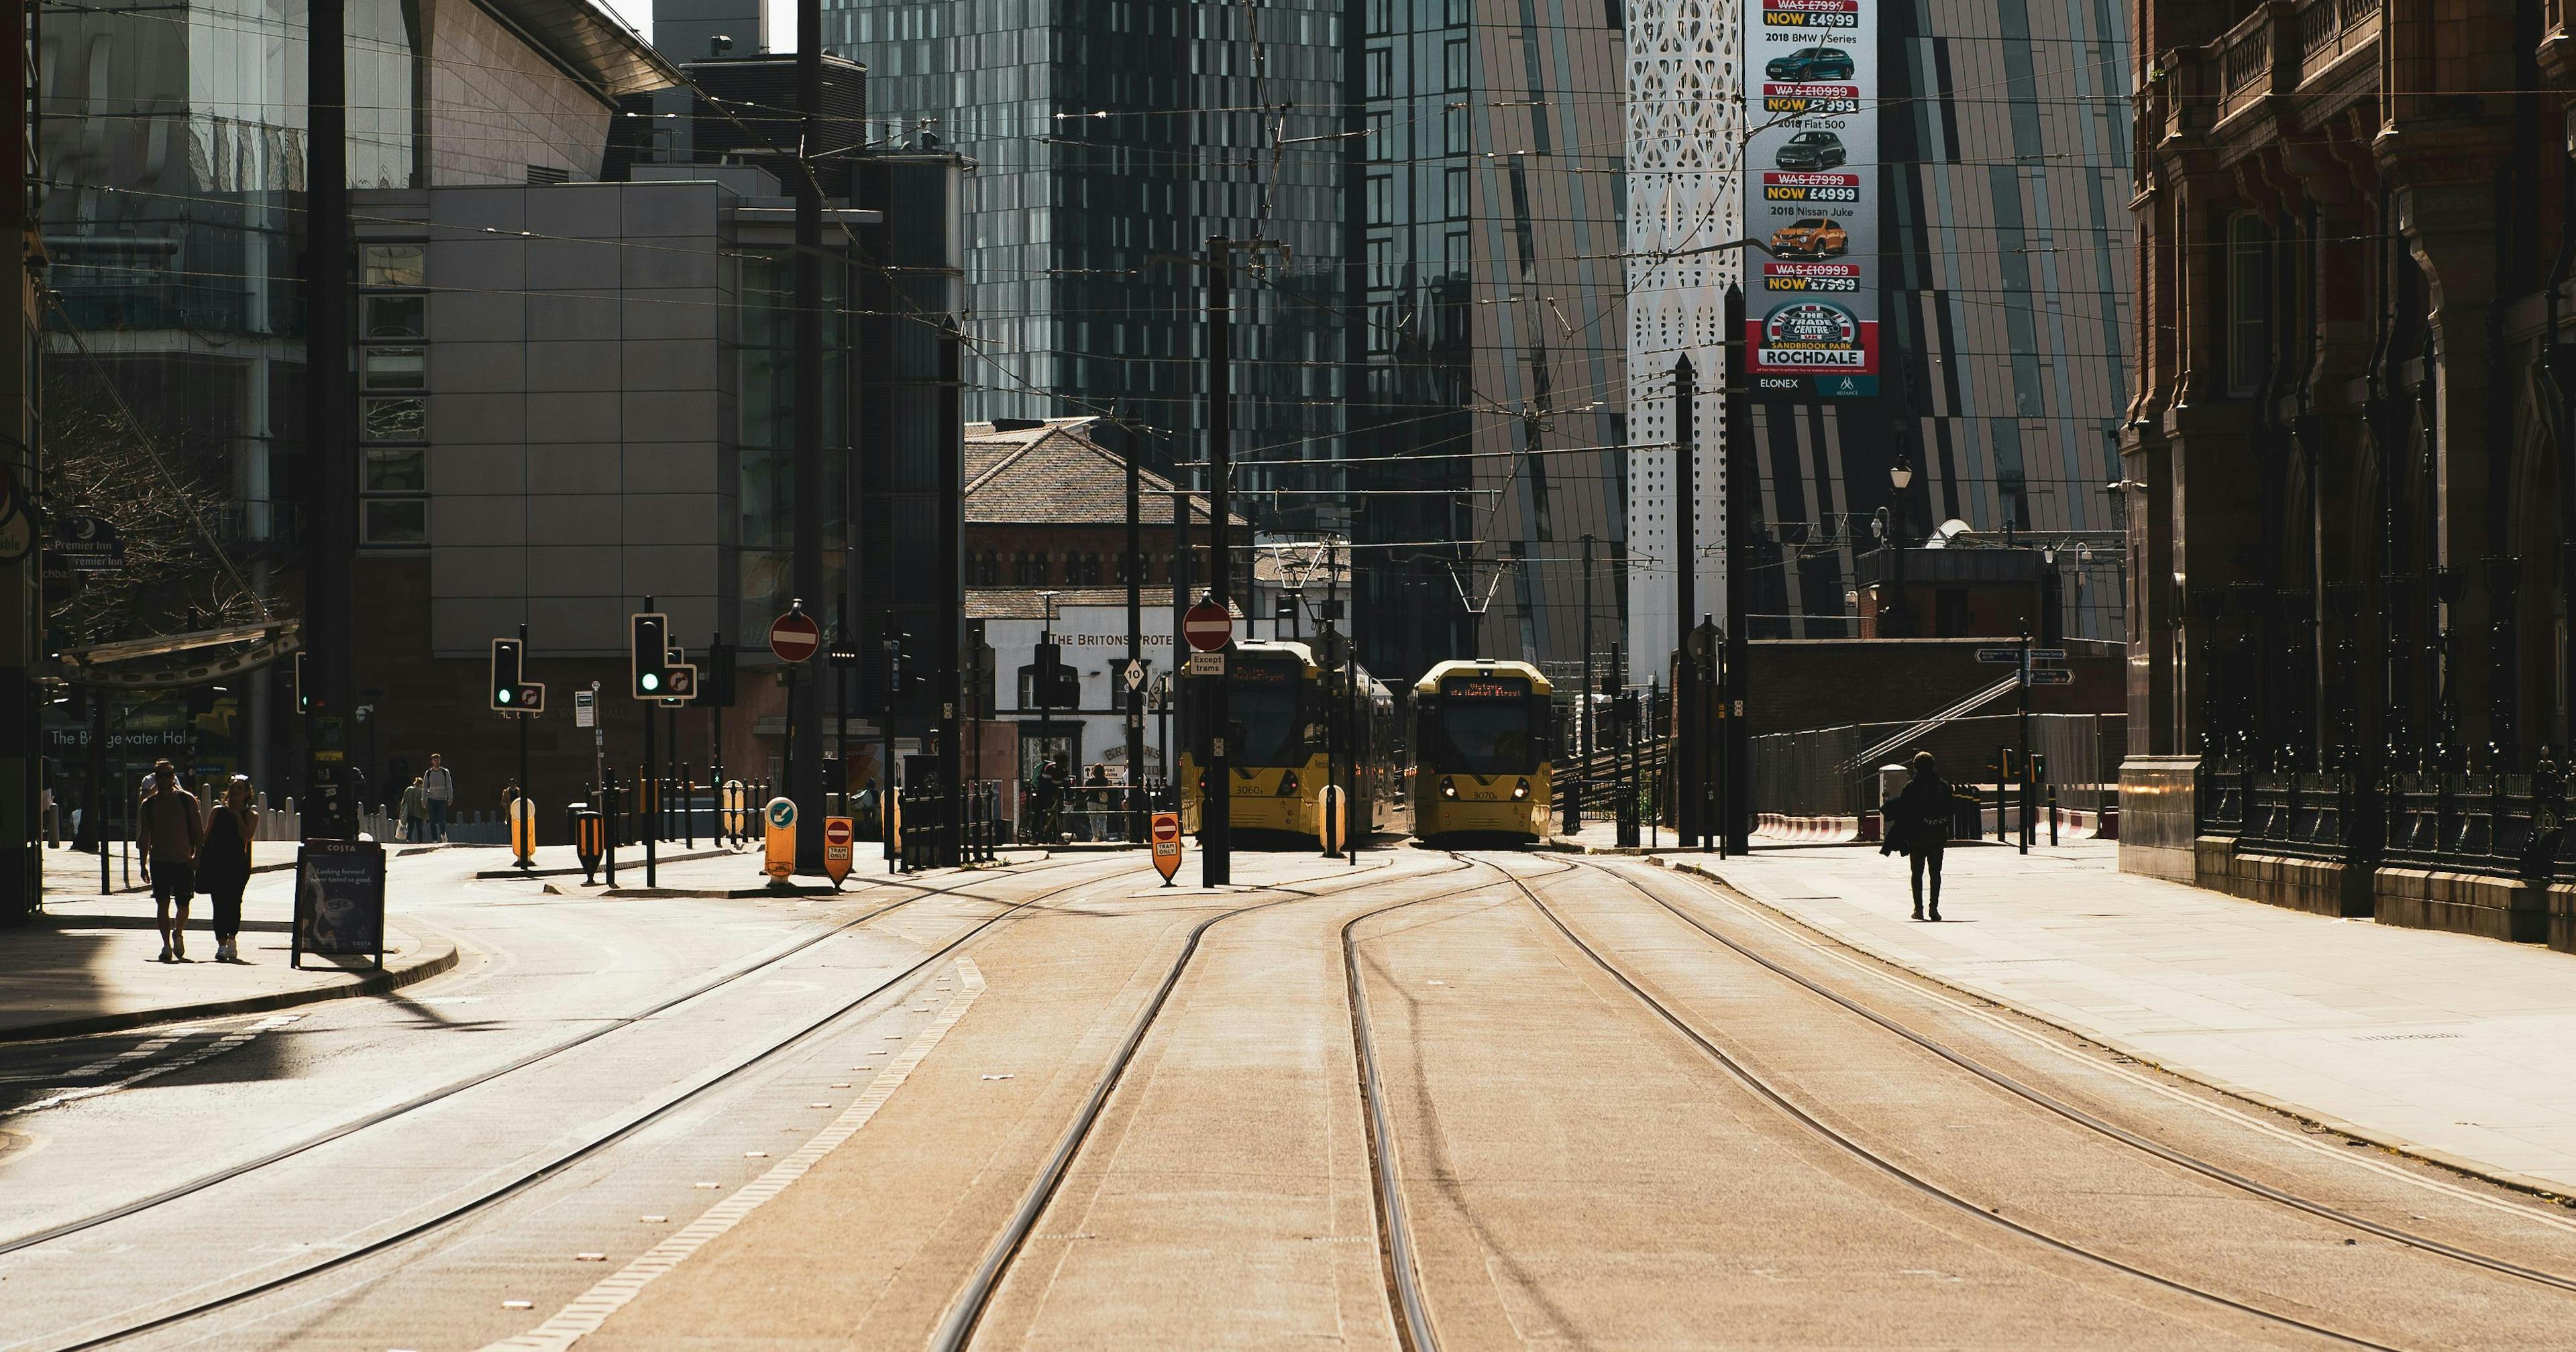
{"x": 218, "y": 1047}
{"x": 592, "y": 1309}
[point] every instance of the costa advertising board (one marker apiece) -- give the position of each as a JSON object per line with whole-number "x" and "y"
{"x": 1811, "y": 195}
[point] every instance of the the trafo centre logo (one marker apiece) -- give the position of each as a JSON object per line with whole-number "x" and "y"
{"x": 1811, "y": 333}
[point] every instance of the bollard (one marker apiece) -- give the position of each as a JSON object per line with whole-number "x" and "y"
{"x": 589, "y": 831}
{"x": 609, "y": 827}
{"x": 778, "y": 832}
{"x": 523, "y": 830}
{"x": 2052, "y": 816}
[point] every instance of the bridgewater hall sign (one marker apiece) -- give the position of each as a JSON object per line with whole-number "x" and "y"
{"x": 1811, "y": 196}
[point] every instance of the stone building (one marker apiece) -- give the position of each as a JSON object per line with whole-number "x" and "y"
{"x": 2346, "y": 457}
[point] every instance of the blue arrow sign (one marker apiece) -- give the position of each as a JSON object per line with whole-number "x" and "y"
{"x": 782, "y": 813}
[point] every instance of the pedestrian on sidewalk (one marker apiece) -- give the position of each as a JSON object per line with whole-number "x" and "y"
{"x": 223, "y": 863}
{"x": 169, "y": 831}
{"x": 415, "y": 811}
{"x": 1922, "y": 814}
{"x": 439, "y": 786}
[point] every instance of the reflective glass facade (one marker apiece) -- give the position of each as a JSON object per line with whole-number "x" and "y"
{"x": 1109, "y": 136}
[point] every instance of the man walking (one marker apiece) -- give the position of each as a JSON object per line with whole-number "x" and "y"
{"x": 439, "y": 787}
{"x": 1922, "y": 813}
{"x": 169, "y": 831}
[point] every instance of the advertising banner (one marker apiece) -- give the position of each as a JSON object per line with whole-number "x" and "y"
{"x": 1811, "y": 196}
{"x": 339, "y": 901}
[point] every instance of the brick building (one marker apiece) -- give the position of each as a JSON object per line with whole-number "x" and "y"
{"x": 1046, "y": 508}
{"x": 2346, "y": 460}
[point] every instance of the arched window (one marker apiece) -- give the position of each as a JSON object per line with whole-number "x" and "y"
{"x": 2249, "y": 305}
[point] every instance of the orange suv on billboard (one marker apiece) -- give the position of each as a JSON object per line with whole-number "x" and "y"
{"x": 1810, "y": 237}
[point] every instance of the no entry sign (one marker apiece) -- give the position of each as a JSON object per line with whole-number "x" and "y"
{"x": 794, "y": 636}
{"x": 1167, "y": 845}
{"x": 1207, "y": 626}
{"x": 836, "y": 848}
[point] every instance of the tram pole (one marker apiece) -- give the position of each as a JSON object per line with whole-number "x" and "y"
{"x": 1686, "y": 761}
{"x": 1216, "y": 834}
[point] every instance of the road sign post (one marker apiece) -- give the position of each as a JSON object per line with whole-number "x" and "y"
{"x": 1167, "y": 845}
{"x": 795, "y": 638}
{"x": 523, "y": 827}
{"x": 1209, "y": 627}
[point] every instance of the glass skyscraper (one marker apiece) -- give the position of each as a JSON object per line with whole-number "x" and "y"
{"x": 1110, "y": 138}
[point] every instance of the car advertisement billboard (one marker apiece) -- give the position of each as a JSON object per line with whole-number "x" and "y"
{"x": 1811, "y": 197}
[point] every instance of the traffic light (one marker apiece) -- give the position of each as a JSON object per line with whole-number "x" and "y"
{"x": 717, "y": 679}
{"x": 647, "y": 652}
{"x": 503, "y": 686}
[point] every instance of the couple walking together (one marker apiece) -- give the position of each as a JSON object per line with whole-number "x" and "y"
{"x": 187, "y": 854}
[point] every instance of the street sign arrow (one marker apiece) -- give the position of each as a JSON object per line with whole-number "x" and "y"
{"x": 1999, "y": 654}
{"x": 2052, "y": 676}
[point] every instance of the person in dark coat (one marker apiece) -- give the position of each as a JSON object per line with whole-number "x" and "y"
{"x": 223, "y": 862}
{"x": 1919, "y": 821}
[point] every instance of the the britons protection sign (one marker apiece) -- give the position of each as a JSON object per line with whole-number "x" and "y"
{"x": 1811, "y": 196}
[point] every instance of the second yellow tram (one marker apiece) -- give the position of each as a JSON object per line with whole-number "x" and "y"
{"x": 1482, "y": 757}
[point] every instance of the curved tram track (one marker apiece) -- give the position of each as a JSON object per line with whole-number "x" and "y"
{"x": 529, "y": 1176}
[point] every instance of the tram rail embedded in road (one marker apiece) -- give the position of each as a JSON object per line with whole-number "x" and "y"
{"x": 527, "y": 1178}
{"x": 1852, "y": 1146}
{"x": 2042, "y": 1099}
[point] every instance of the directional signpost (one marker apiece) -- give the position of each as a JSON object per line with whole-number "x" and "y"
{"x": 1209, "y": 627}
{"x": 778, "y": 829}
{"x": 2052, "y": 676}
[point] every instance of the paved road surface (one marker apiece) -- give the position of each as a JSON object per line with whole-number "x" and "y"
{"x": 1576, "y": 1103}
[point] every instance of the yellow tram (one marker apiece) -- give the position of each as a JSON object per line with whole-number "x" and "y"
{"x": 1282, "y": 705}
{"x": 1481, "y": 751}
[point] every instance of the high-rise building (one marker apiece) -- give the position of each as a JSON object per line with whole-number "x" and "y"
{"x": 2002, "y": 151}
{"x": 1488, "y": 348}
{"x": 1110, "y": 139}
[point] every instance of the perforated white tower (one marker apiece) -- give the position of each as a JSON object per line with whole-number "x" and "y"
{"x": 1684, "y": 160}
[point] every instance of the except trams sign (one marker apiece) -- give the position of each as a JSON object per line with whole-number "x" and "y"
{"x": 1811, "y": 196}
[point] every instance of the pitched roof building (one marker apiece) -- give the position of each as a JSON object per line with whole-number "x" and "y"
{"x": 1046, "y": 510}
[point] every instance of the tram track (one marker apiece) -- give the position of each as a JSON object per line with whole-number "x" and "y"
{"x": 1915, "y": 1181}
{"x": 957, "y": 1327}
{"x": 455, "y": 1087}
{"x": 2093, "y": 1123}
{"x": 527, "y": 1177}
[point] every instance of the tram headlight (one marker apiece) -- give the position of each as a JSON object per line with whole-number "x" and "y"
{"x": 1448, "y": 787}
{"x": 1520, "y": 790}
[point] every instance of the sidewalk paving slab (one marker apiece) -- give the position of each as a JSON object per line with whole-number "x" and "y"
{"x": 88, "y": 965}
{"x": 2457, "y": 1049}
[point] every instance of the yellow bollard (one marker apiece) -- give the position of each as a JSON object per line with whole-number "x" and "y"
{"x": 778, "y": 829}
{"x": 523, "y": 830}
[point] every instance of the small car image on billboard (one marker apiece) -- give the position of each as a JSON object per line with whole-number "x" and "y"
{"x": 1810, "y": 150}
{"x": 1810, "y": 237}
{"x": 1811, "y": 63}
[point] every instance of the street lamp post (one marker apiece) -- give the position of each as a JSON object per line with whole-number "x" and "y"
{"x": 1900, "y": 476}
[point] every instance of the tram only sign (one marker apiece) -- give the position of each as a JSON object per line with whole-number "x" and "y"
{"x": 794, "y": 636}
{"x": 1207, "y": 626}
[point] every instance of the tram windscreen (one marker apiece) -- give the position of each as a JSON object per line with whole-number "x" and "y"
{"x": 1261, "y": 699}
{"x": 1484, "y": 728}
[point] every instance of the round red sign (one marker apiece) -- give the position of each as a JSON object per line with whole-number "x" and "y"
{"x": 1207, "y": 626}
{"x": 836, "y": 831}
{"x": 794, "y": 636}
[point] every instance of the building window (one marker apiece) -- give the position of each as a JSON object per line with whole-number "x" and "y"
{"x": 393, "y": 418}
{"x": 2249, "y": 305}
{"x": 393, "y": 368}
{"x": 391, "y": 265}
{"x": 394, "y": 317}
{"x": 1381, "y": 73}
{"x": 1453, "y": 63}
{"x": 1453, "y": 131}
{"x": 1381, "y": 198}
{"x": 1456, "y": 13}
{"x": 397, "y": 521}
{"x": 1454, "y": 193}
{"x": 1381, "y": 135}
{"x": 1028, "y": 570}
{"x": 983, "y": 568}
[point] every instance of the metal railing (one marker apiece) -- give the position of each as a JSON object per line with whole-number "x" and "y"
{"x": 2484, "y": 824}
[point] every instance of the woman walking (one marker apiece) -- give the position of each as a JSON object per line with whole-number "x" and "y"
{"x": 223, "y": 863}
{"x": 1922, "y": 813}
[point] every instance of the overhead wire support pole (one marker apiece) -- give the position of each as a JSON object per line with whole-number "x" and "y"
{"x": 331, "y": 477}
{"x": 806, "y": 782}
{"x": 1216, "y": 835}
{"x": 1134, "y": 685}
{"x": 1743, "y": 496}
{"x": 1685, "y": 760}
